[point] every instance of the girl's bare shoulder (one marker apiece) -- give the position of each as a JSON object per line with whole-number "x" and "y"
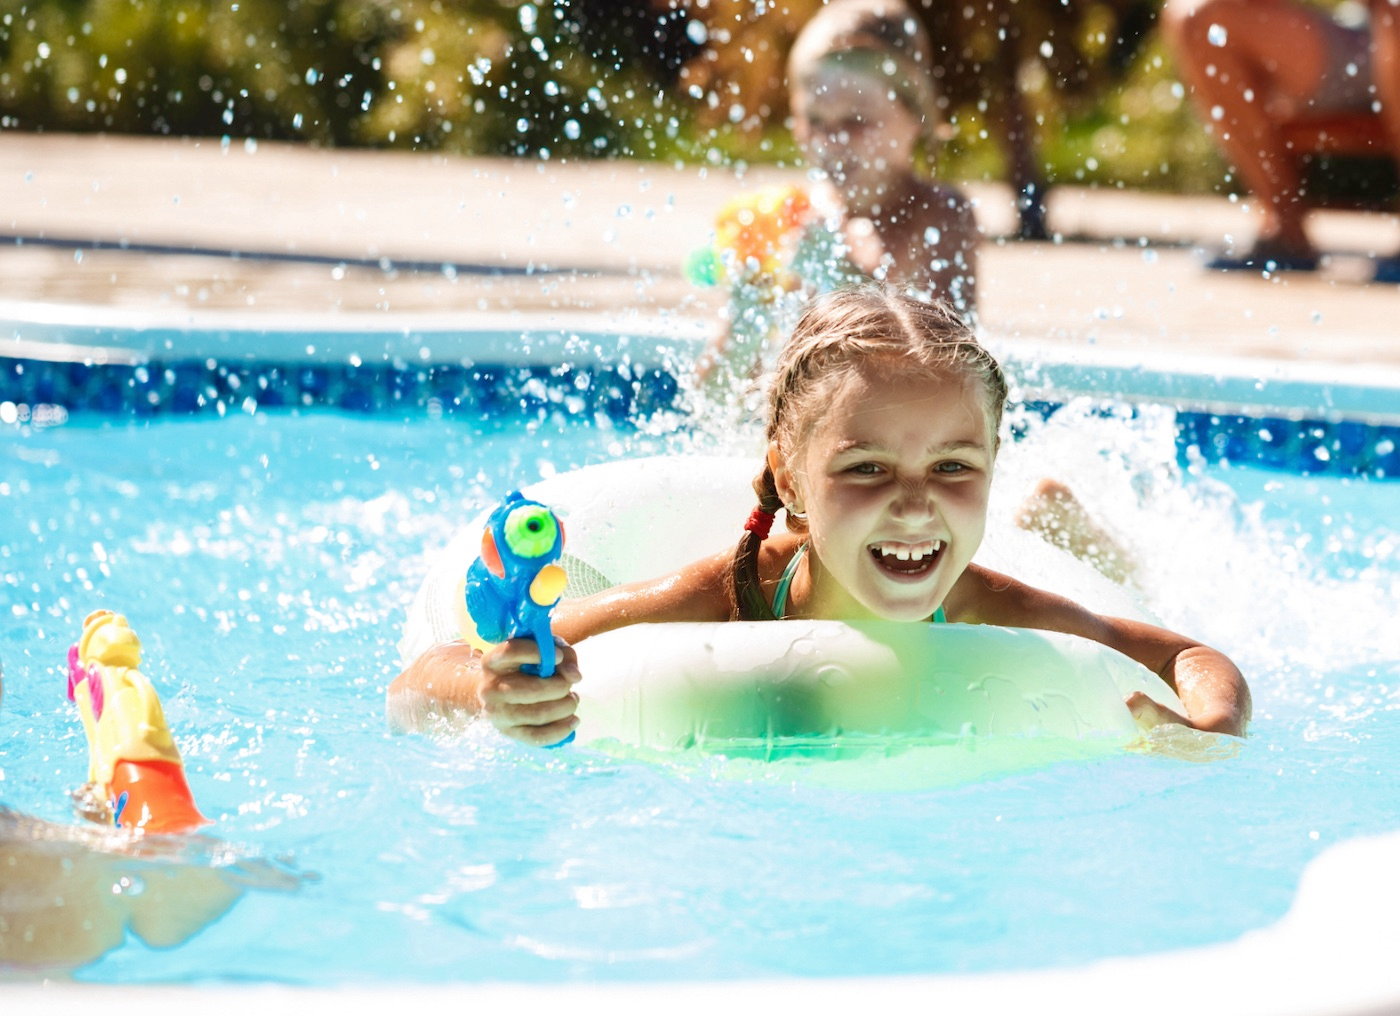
{"x": 984, "y": 596}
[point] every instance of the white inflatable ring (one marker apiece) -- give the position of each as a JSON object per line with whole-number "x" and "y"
{"x": 770, "y": 688}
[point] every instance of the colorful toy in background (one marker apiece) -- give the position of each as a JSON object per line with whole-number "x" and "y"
{"x": 755, "y": 234}
{"x": 516, "y": 582}
{"x": 132, "y": 759}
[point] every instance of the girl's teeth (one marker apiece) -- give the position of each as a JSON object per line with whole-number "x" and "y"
{"x": 903, "y": 552}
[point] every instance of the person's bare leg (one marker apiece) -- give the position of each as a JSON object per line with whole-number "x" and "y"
{"x": 1385, "y": 72}
{"x": 1385, "y": 68}
{"x": 1054, "y": 514}
{"x": 1250, "y": 64}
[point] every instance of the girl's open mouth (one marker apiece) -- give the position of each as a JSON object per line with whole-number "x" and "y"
{"x": 907, "y": 560}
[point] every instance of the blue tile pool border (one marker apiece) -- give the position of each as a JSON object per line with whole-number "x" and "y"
{"x": 1300, "y": 418}
{"x": 159, "y": 388}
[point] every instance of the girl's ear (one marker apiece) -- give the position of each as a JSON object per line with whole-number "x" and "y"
{"x": 783, "y": 481}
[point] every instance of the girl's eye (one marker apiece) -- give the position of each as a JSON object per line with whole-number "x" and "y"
{"x": 864, "y": 469}
{"x": 951, "y": 468}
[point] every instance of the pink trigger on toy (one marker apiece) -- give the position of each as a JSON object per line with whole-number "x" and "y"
{"x": 490, "y": 556}
{"x": 75, "y": 672}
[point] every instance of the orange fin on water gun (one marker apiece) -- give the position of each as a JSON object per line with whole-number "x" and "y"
{"x": 132, "y": 757}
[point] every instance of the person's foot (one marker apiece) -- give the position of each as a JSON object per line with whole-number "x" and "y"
{"x": 1388, "y": 269}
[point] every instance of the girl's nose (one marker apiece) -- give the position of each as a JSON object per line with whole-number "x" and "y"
{"x": 914, "y": 502}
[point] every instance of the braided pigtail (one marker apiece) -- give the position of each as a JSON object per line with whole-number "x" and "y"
{"x": 749, "y": 601}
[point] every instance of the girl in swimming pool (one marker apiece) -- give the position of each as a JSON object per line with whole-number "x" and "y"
{"x": 865, "y": 113}
{"x": 882, "y": 423}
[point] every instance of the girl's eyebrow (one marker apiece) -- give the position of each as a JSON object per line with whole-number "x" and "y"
{"x": 849, "y": 447}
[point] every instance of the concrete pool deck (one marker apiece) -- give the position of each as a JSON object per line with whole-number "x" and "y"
{"x": 183, "y": 228}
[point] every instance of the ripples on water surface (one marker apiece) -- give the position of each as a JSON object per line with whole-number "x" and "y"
{"x": 267, "y": 562}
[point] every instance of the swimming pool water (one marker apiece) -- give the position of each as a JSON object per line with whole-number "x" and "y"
{"x": 266, "y": 561}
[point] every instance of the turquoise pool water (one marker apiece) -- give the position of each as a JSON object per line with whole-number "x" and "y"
{"x": 267, "y": 561}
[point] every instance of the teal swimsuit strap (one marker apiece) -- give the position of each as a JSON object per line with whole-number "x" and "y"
{"x": 780, "y": 594}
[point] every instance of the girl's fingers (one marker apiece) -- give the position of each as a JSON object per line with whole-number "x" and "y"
{"x": 545, "y": 736}
{"x": 522, "y": 689}
{"x": 511, "y": 656}
{"x": 507, "y": 715}
{"x": 1148, "y": 713}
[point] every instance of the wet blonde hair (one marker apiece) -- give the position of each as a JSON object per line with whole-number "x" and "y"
{"x": 839, "y": 336}
{"x": 879, "y": 37}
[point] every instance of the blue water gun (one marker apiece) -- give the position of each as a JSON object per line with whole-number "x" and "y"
{"x": 515, "y": 582}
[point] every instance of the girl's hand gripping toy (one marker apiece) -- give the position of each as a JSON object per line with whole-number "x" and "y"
{"x": 132, "y": 759}
{"x": 515, "y": 583}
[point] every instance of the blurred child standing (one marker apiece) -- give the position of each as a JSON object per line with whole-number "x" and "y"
{"x": 866, "y": 116}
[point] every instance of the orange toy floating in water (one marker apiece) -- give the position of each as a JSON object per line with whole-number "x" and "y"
{"x": 754, "y": 234}
{"x": 131, "y": 756}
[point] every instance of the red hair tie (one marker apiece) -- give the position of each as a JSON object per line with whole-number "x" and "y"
{"x": 760, "y": 522}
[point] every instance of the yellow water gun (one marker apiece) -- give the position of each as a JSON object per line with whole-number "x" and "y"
{"x": 132, "y": 758}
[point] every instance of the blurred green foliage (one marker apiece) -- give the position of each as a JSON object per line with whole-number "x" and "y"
{"x": 459, "y": 75}
{"x": 498, "y": 77}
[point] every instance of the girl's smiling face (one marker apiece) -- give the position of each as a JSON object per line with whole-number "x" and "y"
{"x": 894, "y": 481}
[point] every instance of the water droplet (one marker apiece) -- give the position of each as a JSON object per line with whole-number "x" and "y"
{"x": 697, "y": 33}
{"x": 1217, "y": 35}
{"x": 1047, "y": 49}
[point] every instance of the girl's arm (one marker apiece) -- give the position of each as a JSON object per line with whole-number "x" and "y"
{"x": 1209, "y": 685}
{"x": 453, "y": 680}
